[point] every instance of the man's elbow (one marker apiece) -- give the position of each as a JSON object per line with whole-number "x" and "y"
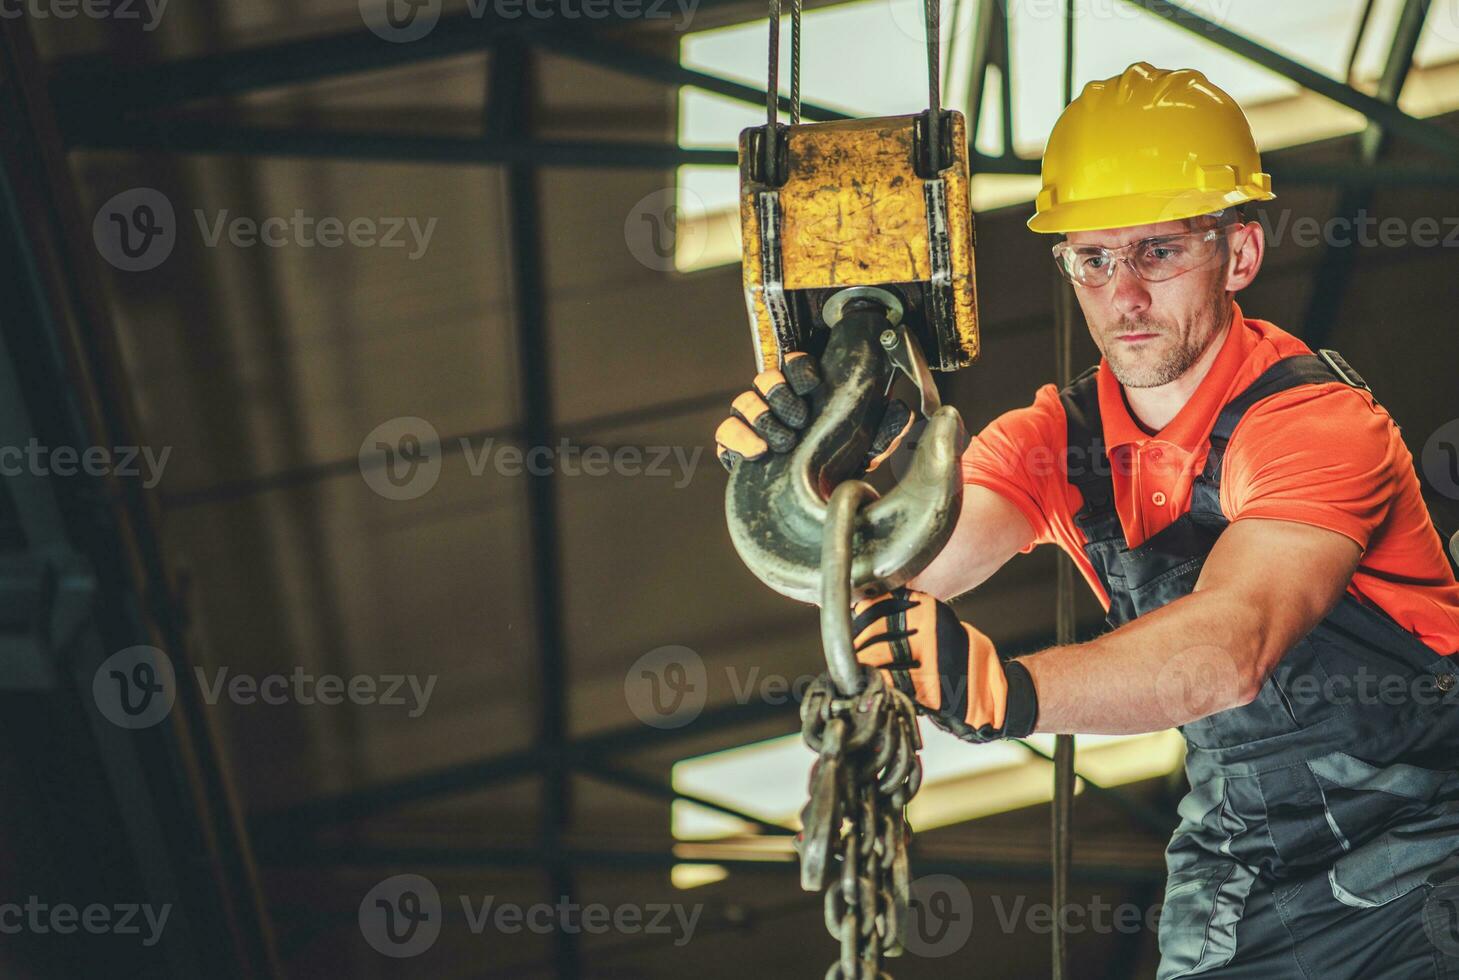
{"x": 1255, "y": 646}
{"x": 1263, "y": 637}
{"x": 1249, "y": 685}
{"x": 1246, "y": 683}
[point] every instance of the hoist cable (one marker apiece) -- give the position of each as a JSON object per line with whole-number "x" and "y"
{"x": 795, "y": 62}
{"x": 932, "y": 11}
{"x": 1063, "y": 809}
{"x": 772, "y": 87}
{"x": 932, "y": 17}
{"x": 772, "y": 94}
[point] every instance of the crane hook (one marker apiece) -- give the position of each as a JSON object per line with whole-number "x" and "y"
{"x": 777, "y": 509}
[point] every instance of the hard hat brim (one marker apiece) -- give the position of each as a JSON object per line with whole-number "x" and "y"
{"x": 1145, "y": 208}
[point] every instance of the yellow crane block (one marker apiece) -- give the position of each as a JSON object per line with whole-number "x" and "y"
{"x": 854, "y": 210}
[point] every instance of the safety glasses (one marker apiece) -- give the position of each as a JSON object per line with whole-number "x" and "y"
{"x": 1152, "y": 259}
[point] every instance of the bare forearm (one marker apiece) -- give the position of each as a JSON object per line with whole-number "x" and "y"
{"x": 1199, "y": 655}
{"x": 989, "y": 532}
{"x": 1264, "y": 585}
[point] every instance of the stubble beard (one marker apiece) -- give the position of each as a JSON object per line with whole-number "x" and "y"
{"x": 1137, "y": 368}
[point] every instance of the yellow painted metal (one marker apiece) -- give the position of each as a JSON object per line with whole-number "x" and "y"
{"x": 853, "y": 212}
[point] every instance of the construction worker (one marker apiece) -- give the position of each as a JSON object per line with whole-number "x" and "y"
{"x": 1250, "y": 518}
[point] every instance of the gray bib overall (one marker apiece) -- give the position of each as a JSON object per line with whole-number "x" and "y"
{"x": 1324, "y": 814}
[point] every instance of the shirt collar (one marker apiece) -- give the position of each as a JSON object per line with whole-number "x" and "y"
{"x": 1192, "y": 426}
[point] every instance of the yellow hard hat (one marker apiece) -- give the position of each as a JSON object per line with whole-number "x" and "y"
{"x": 1146, "y": 146}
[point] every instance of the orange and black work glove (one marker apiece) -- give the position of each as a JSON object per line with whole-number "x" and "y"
{"x": 769, "y": 417}
{"x": 949, "y": 669}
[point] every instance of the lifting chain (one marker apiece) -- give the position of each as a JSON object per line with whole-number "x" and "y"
{"x": 854, "y": 836}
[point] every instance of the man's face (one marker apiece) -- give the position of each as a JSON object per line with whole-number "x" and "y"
{"x": 1152, "y": 332}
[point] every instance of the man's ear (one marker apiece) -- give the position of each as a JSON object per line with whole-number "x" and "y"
{"x": 1248, "y": 248}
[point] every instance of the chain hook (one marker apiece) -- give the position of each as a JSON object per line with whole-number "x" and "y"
{"x": 777, "y": 510}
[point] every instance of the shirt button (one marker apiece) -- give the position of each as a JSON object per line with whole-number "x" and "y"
{"x": 1156, "y": 454}
{"x": 1158, "y": 499}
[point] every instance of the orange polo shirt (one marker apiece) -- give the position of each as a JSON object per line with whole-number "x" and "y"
{"x": 1325, "y": 455}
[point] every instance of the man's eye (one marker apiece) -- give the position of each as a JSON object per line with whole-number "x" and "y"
{"x": 1093, "y": 262}
{"x": 1163, "y": 253}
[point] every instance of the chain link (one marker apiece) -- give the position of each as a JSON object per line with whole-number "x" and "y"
{"x": 855, "y": 836}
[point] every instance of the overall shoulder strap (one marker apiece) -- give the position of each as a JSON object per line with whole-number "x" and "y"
{"x": 1085, "y": 464}
{"x": 1289, "y": 372}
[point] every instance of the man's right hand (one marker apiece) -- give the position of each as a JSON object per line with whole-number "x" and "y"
{"x": 769, "y": 417}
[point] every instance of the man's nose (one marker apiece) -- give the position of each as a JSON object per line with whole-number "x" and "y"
{"x": 1130, "y": 295}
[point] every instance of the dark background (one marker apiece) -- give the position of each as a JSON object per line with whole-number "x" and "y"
{"x": 264, "y": 548}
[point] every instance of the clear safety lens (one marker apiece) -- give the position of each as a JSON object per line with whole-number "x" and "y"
{"x": 1152, "y": 259}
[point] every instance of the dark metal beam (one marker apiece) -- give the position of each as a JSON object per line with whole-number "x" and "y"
{"x": 986, "y": 21}
{"x": 1387, "y": 114}
{"x": 448, "y": 446}
{"x": 1061, "y": 809}
{"x": 1329, "y": 283}
{"x": 100, "y": 102}
{"x": 1396, "y": 70}
{"x": 1402, "y": 174}
{"x": 92, "y": 88}
{"x": 384, "y": 856}
{"x": 1364, "y": 19}
{"x": 594, "y": 50}
{"x": 1003, "y": 57}
{"x": 222, "y": 138}
{"x": 207, "y": 137}
{"x": 305, "y": 818}
{"x": 95, "y": 86}
{"x": 510, "y": 110}
{"x": 1070, "y": 21}
{"x": 299, "y": 821}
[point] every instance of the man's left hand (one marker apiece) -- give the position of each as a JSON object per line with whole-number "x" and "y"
{"x": 949, "y": 669}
